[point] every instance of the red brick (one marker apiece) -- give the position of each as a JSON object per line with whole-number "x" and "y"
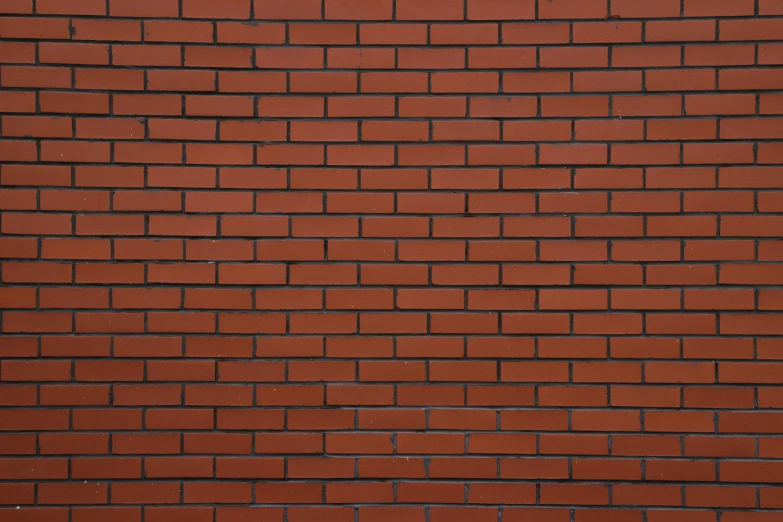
{"x": 478, "y": 258}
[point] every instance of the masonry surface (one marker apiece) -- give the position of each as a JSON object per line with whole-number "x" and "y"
{"x": 380, "y": 260}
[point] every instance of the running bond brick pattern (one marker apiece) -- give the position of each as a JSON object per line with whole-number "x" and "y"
{"x": 383, "y": 260}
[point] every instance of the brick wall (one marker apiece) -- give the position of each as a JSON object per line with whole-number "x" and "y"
{"x": 380, "y": 260}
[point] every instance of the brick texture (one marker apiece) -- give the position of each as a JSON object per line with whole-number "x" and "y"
{"x": 381, "y": 260}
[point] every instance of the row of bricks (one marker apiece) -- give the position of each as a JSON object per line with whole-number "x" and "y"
{"x": 384, "y": 419}
{"x": 298, "y": 468}
{"x": 395, "y": 323}
{"x": 404, "y": 347}
{"x": 693, "y": 398}
{"x": 340, "y": 250}
{"x": 156, "y": 370}
{"x": 388, "y": 299}
{"x": 403, "y": 9}
{"x": 393, "y": 82}
{"x": 403, "y": 422}
{"x": 706, "y": 153}
{"x": 409, "y": 275}
{"x": 374, "y": 513}
{"x": 424, "y": 203}
{"x": 389, "y": 371}
{"x": 667, "y": 447}
{"x": 124, "y": 224}
{"x": 434, "y": 179}
{"x": 346, "y": 394}
{"x": 538, "y": 130}
{"x": 446, "y": 57}
{"x": 451, "y": 467}
{"x": 510, "y": 201}
{"x": 368, "y": 33}
{"x": 406, "y": 106}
